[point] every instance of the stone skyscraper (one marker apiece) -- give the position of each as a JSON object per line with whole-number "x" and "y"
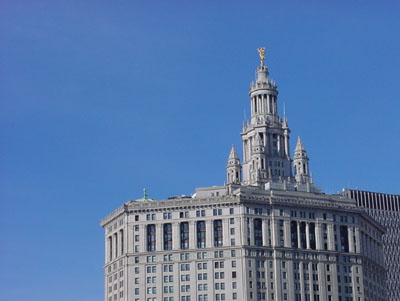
{"x": 268, "y": 234}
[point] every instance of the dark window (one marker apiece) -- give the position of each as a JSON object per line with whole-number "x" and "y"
{"x": 151, "y": 238}
{"x": 293, "y": 234}
{"x": 110, "y": 245}
{"x": 312, "y": 236}
{"x": 167, "y": 237}
{"x": 201, "y": 234}
{"x": 303, "y": 235}
{"x": 121, "y": 232}
{"x": 218, "y": 236}
{"x": 257, "y": 232}
{"x": 185, "y": 235}
{"x": 344, "y": 239}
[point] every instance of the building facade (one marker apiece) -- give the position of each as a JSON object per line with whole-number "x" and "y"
{"x": 385, "y": 209}
{"x": 268, "y": 234}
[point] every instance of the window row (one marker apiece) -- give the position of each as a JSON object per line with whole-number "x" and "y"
{"x": 182, "y": 214}
{"x": 184, "y": 235}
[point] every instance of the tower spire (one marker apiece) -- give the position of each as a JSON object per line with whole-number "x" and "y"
{"x": 300, "y": 162}
{"x": 266, "y": 155}
{"x": 299, "y": 145}
{"x": 233, "y": 168}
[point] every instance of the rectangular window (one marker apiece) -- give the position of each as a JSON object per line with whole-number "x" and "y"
{"x": 344, "y": 238}
{"x": 184, "y": 235}
{"x": 258, "y": 232}
{"x": 151, "y": 237}
{"x": 167, "y": 237}
{"x": 218, "y": 234}
{"x": 201, "y": 234}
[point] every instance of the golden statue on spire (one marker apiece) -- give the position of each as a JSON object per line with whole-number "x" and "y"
{"x": 261, "y": 52}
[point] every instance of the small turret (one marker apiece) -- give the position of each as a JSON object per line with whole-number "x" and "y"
{"x": 300, "y": 163}
{"x": 233, "y": 168}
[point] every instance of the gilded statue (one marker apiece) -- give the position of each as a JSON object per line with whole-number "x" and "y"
{"x": 261, "y": 52}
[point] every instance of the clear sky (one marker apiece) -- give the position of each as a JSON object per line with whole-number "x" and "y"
{"x": 99, "y": 99}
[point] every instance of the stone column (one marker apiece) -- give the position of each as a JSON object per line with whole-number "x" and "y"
{"x": 126, "y": 239}
{"x": 318, "y": 236}
{"x": 331, "y": 238}
{"x": 115, "y": 245}
{"x": 290, "y": 281}
{"x": 286, "y": 233}
{"x": 308, "y": 235}
{"x": 120, "y": 242}
{"x": 286, "y": 145}
{"x": 263, "y": 103}
{"x": 350, "y": 238}
{"x": 358, "y": 240}
{"x": 192, "y": 235}
{"x": 209, "y": 234}
{"x": 302, "y": 279}
{"x": 334, "y": 280}
{"x": 142, "y": 238}
{"x": 130, "y": 239}
{"x": 322, "y": 281}
{"x": 265, "y": 232}
{"x": 159, "y": 237}
{"x": 251, "y": 231}
{"x": 107, "y": 251}
{"x": 225, "y": 232}
{"x": 176, "y": 242}
{"x": 243, "y": 236}
{"x": 298, "y": 235}
{"x": 275, "y": 233}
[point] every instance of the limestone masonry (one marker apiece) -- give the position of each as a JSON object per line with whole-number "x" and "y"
{"x": 268, "y": 234}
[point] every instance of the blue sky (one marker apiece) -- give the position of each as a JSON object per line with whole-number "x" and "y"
{"x": 99, "y": 99}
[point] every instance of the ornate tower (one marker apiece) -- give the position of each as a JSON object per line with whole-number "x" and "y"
{"x": 233, "y": 168}
{"x": 266, "y": 154}
{"x": 300, "y": 163}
